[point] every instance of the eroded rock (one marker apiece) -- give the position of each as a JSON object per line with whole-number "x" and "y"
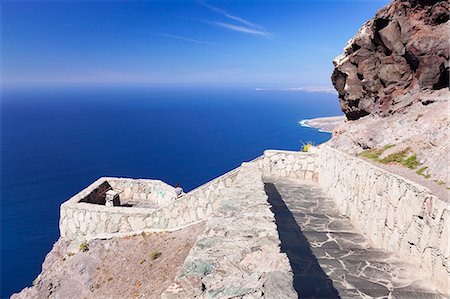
{"x": 403, "y": 49}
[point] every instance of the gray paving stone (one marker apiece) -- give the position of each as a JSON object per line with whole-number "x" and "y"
{"x": 329, "y": 258}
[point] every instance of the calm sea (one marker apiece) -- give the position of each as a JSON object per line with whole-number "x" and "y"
{"x": 56, "y": 141}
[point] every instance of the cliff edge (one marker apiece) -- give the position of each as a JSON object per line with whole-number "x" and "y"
{"x": 393, "y": 86}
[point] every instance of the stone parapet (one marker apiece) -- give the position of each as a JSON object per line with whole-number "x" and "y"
{"x": 396, "y": 214}
{"x": 81, "y": 221}
{"x": 238, "y": 255}
{"x": 289, "y": 164}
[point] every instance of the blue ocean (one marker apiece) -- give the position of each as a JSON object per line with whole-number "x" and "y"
{"x": 57, "y": 140}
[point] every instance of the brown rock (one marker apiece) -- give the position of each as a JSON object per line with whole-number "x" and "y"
{"x": 403, "y": 49}
{"x": 391, "y": 37}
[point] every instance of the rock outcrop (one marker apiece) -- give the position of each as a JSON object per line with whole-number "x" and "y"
{"x": 393, "y": 85}
{"x": 404, "y": 49}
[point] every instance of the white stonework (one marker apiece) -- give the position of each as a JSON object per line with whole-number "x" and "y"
{"x": 238, "y": 255}
{"x": 396, "y": 214}
{"x": 81, "y": 221}
{"x": 288, "y": 164}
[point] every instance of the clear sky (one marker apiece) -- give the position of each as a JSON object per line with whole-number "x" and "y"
{"x": 267, "y": 44}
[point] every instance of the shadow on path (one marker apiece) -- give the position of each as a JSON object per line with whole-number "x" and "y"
{"x": 309, "y": 279}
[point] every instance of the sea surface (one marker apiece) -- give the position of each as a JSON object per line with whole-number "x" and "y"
{"x": 55, "y": 141}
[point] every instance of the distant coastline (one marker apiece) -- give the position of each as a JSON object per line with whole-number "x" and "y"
{"x": 323, "y": 124}
{"x": 320, "y": 89}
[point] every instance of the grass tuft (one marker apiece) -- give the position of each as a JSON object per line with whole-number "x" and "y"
{"x": 412, "y": 162}
{"x": 155, "y": 254}
{"x": 84, "y": 247}
{"x": 371, "y": 154}
{"x": 421, "y": 171}
{"x": 400, "y": 157}
{"x": 306, "y": 147}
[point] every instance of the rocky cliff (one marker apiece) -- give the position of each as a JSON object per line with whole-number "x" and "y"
{"x": 393, "y": 85}
{"x": 404, "y": 49}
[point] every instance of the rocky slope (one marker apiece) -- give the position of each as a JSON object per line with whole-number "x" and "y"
{"x": 146, "y": 264}
{"x": 393, "y": 81}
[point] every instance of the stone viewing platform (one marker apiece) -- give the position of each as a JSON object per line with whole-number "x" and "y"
{"x": 324, "y": 223}
{"x": 112, "y": 205}
{"x": 285, "y": 225}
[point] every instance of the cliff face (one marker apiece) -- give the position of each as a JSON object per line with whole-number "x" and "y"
{"x": 404, "y": 49}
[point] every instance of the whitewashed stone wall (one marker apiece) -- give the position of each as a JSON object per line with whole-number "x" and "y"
{"x": 238, "y": 255}
{"x": 397, "y": 214}
{"x": 140, "y": 190}
{"x": 289, "y": 164}
{"x": 80, "y": 221}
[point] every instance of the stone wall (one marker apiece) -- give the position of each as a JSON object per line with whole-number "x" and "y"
{"x": 80, "y": 221}
{"x": 289, "y": 164}
{"x": 397, "y": 214}
{"x": 139, "y": 190}
{"x": 238, "y": 255}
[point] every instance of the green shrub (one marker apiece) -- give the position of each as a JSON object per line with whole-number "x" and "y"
{"x": 374, "y": 154}
{"x": 307, "y": 146}
{"x": 371, "y": 154}
{"x": 398, "y": 157}
{"x": 411, "y": 162}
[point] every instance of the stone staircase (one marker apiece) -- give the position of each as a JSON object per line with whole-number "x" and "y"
{"x": 329, "y": 258}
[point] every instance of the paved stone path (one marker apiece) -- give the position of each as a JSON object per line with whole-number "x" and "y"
{"x": 329, "y": 258}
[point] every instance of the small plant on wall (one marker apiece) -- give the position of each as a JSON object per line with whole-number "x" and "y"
{"x": 306, "y": 146}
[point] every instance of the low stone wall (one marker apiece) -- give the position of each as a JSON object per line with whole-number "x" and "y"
{"x": 238, "y": 255}
{"x": 80, "y": 221}
{"x": 143, "y": 190}
{"x": 397, "y": 214}
{"x": 289, "y": 164}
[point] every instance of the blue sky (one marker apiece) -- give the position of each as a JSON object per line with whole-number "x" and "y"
{"x": 266, "y": 44}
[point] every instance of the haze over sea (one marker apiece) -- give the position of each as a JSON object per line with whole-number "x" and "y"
{"x": 57, "y": 140}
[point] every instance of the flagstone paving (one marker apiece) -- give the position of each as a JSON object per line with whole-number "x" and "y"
{"x": 329, "y": 257}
